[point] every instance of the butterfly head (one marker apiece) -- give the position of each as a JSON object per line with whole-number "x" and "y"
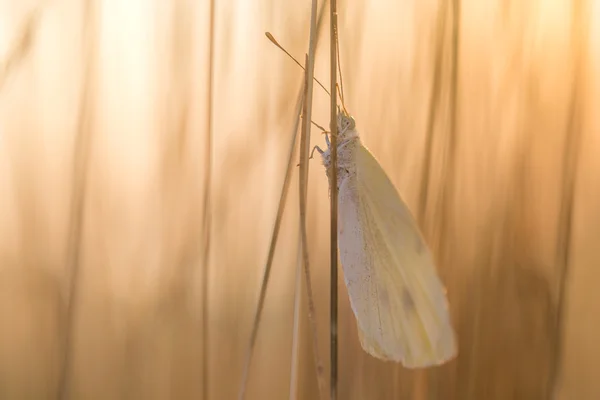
{"x": 345, "y": 123}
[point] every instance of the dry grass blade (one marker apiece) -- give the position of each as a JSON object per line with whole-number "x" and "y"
{"x": 21, "y": 47}
{"x": 206, "y": 216}
{"x": 303, "y": 186}
{"x": 436, "y": 92}
{"x": 448, "y": 185}
{"x": 303, "y": 182}
{"x": 296, "y": 325}
{"x": 580, "y": 32}
{"x": 445, "y": 200}
{"x": 423, "y": 377}
{"x": 271, "y": 255}
{"x": 263, "y": 290}
{"x": 81, "y": 162}
{"x": 333, "y": 305}
{"x": 449, "y": 180}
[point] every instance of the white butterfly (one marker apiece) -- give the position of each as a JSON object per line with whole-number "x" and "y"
{"x": 397, "y": 297}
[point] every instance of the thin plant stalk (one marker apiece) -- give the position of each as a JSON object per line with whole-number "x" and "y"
{"x": 303, "y": 183}
{"x": 80, "y": 170}
{"x": 267, "y": 270}
{"x": 423, "y": 377}
{"x": 333, "y": 284}
{"x": 206, "y": 215}
{"x": 445, "y": 200}
{"x": 448, "y": 186}
{"x": 448, "y": 190}
{"x": 433, "y": 107}
{"x": 271, "y": 254}
{"x": 303, "y": 186}
{"x": 296, "y": 326}
{"x": 21, "y": 47}
{"x": 580, "y": 32}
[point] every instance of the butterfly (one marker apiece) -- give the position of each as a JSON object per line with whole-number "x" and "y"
{"x": 395, "y": 292}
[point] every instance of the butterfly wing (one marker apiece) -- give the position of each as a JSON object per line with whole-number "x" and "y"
{"x": 395, "y": 292}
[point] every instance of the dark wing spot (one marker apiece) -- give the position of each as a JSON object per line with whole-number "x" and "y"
{"x": 407, "y": 300}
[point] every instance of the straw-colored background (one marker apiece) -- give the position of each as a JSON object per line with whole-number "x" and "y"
{"x": 511, "y": 206}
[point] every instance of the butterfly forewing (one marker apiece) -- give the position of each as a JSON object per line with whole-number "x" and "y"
{"x": 395, "y": 292}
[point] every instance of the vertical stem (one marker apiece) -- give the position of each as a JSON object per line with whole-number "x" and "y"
{"x": 303, "y": 186}
{"x": 333, "y": 306}
{"x": 423, "y": 378}
{"x": 303, "y": 182}
{"x": 20, "y": 49}
{"x": 449, "y": 181}
{"x": 206, "y": 217}
{"x": 303, "y": 105}
{"x": 448, "y": 188}
{"x": 579, "y": 39}
{"x": 271, "y": 255}
{"x": 296, "y": 326}
{"x": 445, "y": 198}
{"x": 433, "y": 106}
{"x": 80, "y": 170}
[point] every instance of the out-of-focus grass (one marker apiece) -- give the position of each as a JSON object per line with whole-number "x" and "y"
{"x": 523, "y": 162}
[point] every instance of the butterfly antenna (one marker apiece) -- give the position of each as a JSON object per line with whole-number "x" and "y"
{"x": 317, "y": 125}
{"x": 320, "y": 127}
{"x": 276, "y": 43}
{"x": 342, "y": 99}
{"x": 339, "y": 64}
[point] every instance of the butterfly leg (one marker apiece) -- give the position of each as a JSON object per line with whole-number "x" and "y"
{"x": 317, "y": 148}
{"x": 327, "y": 141}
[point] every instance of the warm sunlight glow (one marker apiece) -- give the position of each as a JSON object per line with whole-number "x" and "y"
{"x": 483, "y": 113}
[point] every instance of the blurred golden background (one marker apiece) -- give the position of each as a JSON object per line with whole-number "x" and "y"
{"x": 483, "y": 113}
